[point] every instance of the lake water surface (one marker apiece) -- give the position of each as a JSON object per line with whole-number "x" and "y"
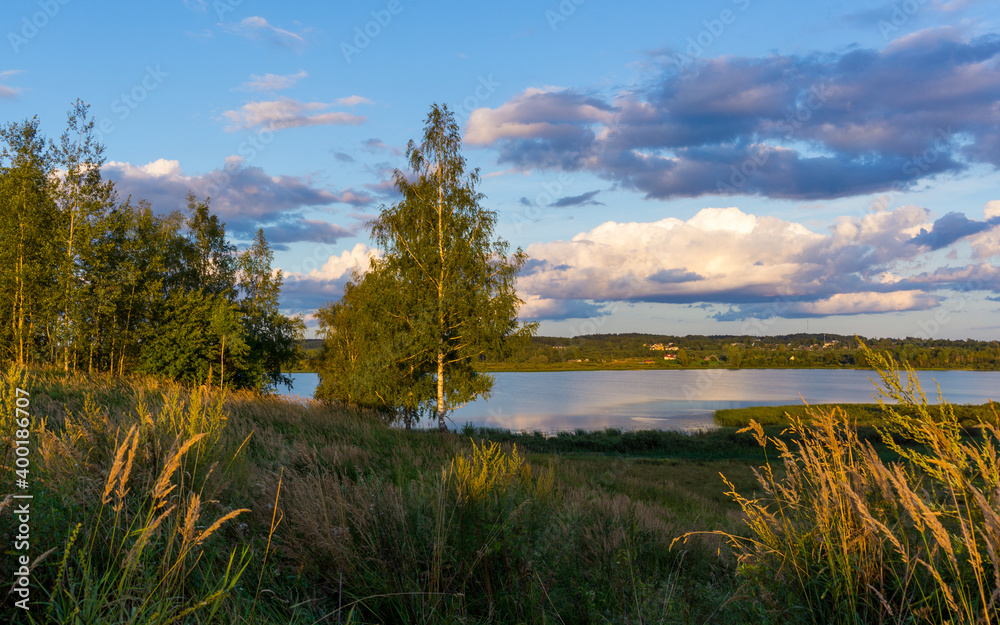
{"x": 554, "y": 401}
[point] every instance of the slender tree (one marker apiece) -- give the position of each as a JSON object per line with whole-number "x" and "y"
{"x": 28, "y": 249}
{"x": 210, "y": 261}
{"x": 270, "y": 336}
{"x": 453, "y": 297}
{"x": 84, "y": 197}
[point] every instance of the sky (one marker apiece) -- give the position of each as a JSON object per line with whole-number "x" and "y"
{"x": 748, "y": 167}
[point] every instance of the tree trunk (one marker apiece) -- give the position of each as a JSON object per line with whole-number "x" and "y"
{"x": 222, "y": 363}
{"x": 69, "y": 271}
{"x": 440, "y": 392}
{"x": 440, "y": 302}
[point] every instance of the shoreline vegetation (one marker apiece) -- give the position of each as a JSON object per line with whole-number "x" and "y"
{"x": 616, "y": 352}
{"x": 157, "y": 502}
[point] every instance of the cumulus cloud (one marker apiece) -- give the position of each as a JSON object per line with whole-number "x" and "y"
{"x": 272, "y": 82}
{"x": 259, "y": 29}
{"x": 755, "y": 265}
{"x": 986, "y": 244}
{"x": 873, "y": 120}
{"x": 951, "y": 228}
{"x": 863, "y": 303}
{"x": 245, "y": 197}
{"x": 313, "y": 289}
{"x": 287, "y": 113}
{"x": 537, "y": 307}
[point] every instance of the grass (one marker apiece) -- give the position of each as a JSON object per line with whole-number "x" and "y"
{"x": 969, "y": 416}
{"x": 155, "y": 503}
{"x": 840, "y": 536}
{"x": 162, "y": 504}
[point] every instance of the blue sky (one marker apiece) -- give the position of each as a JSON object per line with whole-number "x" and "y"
{"x": 736, "y": 166}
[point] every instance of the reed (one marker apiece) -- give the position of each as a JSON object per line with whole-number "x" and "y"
{"x": 837, "y": 535}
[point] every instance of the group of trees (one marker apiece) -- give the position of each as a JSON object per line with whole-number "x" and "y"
{"x": 89, "y": 281}
{"x": 408, "y": 334}
{"x": 794, "y": 350}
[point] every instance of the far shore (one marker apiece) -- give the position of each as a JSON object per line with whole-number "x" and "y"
{"x": 631, "y": 366}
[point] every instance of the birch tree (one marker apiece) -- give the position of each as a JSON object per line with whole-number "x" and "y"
{"x": 447, "y": 285}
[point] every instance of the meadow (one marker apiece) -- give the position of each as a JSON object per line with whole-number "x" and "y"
{"x": 157, "y": 503}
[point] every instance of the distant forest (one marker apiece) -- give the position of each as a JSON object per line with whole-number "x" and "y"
{"x": 792, "y": 350}
{"x": 93, "y": 282}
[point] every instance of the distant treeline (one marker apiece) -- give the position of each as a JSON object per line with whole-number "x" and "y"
{"x": 93, "y": 282}
{"x": 792, "y": 350}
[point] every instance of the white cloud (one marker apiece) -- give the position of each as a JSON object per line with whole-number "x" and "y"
{"x": 992, "y": 209}
{"x": 245, "y": 197}
{"x": 353, "y": 100}
{"x": 986, "y": 244}
{"x": 287, "y": 113}
{"x": 531, "y": 114}
{"x": 865, "y": 302}
{"x": 537, "y": 307}
{"x": 258, "y": 28}
{"x": 340, "y": 266}
{"x": 272, "y": 82}
{"x": 726, "y": 256}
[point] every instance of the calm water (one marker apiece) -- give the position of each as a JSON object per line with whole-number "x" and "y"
{"x": 675, "y": 400}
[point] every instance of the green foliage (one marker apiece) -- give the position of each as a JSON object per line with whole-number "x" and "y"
{"x": 440, "y": 299}
{"x": 189, "y": 342}
{"x": 92, "y": 283}
{"x": 857, "y": 414}
{"x": 270, "y": 336}
{"x": 28, "y": 254}
{"x": 631, "y": 350}
{"x": 362, "y": 361}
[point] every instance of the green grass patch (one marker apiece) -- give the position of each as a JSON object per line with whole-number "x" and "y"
{"x": 858, "y": 414}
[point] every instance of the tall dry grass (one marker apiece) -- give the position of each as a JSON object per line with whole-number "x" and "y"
{"x": 837, "y": 535}
{"x": 126, "y": 480}
{"x": 142, "y": 486}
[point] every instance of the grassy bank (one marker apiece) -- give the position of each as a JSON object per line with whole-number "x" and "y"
{"x": 969, "y": 416}
{"x": 154, "y": 503}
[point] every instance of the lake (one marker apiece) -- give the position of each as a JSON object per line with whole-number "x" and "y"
{"x": 553, "y": 401}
